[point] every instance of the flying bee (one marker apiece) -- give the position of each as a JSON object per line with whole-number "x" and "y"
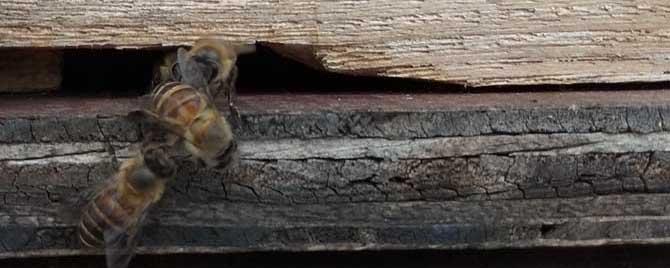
{"x": 211, "y": 65}
{"x": 113, "y": 217}
{"x": 190, "y": 116}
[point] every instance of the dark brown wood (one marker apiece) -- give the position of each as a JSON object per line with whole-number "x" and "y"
{"x": 300, "y": 103}
{"x": 362, "y": 171}
{"x": 228, "y": 227}
{"x": 616, "y": 256}
{"x": 26, "y": 71}
{"x": 456, "y": 147}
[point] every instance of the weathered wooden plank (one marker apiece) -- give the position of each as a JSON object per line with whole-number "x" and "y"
{"x": 476, "y": 43}
{"x": 30, "y": 70}
{"x": 363, "y": 170}
{"x": 541, "y": 169}
{"x": 360, "y": 148}
{"x": 391, "y": 116}
{"x": 533, "y": 144}
{"x": 225, "y": 227}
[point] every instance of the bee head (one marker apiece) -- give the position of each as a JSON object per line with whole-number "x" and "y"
{"x": 158, "y": 162}
{"x": 209, "y": 63}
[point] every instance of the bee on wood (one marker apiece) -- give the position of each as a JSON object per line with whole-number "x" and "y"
{"x": 165, "y": 70}
{"x": 209, "y": 65}
{"x": 114, "y": 215}
{"x": 189, "y": 115}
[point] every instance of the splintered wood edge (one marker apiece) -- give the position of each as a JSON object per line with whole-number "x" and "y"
{"x": 475, "y": 43}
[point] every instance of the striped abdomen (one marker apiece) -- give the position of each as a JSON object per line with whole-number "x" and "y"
{"x": 208, "y": 135}
{"x": 114, "y": 210}
{"x": 178, "y": 101}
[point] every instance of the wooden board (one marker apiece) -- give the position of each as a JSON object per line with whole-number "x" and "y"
{"x": 476, "y": 43}
{"x": 30, "y": 70}
{"x": 361, "y": 148}
{"x": 221, "y": 227}
{"x": 361, "y": 171}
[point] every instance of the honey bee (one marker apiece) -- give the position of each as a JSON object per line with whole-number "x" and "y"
{"x": 190, "y": 116}
{"x": 114, "y": 215}
{"x": 211, "y": 65}
{"x": 165, "y": 70}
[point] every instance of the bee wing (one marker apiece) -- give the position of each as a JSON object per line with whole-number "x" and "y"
{"x": 168, "y": 124}
{"x": 192, "y": 71}
{"x": 72, "y": 205}
{"x": 120, "y": 245}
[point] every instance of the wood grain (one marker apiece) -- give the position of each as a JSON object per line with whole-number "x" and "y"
{"x": 476, "y": 43}
{"x": 352, "y": 172}
{"x": 346, "y": 148}
{"x": 27, "y": 231}
{"x": 27, "y": 71}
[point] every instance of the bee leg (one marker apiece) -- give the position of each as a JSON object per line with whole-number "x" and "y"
{"x": 111, "y": 151}
{"x": 197, "y": 162}
{"x": 157, "y": 158}
{"x": 230, "y": 92}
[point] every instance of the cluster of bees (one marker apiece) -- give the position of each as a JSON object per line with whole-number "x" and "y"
{"x": 181, "y": 115}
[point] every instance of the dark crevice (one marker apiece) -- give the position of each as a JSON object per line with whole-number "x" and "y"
{"x": 546, "y": 229}
{"x": 107, "y": 72}
{"x": 268, "y": 72}
{"x": 559, "y": 257}
{"x": 128, "y": 72}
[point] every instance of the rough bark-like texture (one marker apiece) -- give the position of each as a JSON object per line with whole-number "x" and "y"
{"x": 366, "y": 170}
{"x": 390, "y": 116}
{"x": 227, "y": 227}
{"x": 364, "y": 148}
{"x": 30, "y": 70}
{"x": 471, "y": 42}
{"x": 351, "y": 172}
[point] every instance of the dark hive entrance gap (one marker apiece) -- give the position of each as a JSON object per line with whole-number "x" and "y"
{"x": 268, "y": 72}
{"x": 127, "y": 73}
{"x": 107, "y": 72}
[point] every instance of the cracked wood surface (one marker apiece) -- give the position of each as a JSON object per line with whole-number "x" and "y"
{"x": 363, "y": 148}
{"x": 476, "y": 43}
{"x": 367, "y": 170}
{"x": 391, "y": 116}
{"x": 356, "y": 171}
{"x": 227, "y": 227}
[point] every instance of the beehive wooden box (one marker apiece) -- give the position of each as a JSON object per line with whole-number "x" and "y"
{"x": 449, "y": 125}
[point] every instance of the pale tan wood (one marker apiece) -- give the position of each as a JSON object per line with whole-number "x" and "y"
{"x": 476, "y": 42}
{"x": 30, "y": 71}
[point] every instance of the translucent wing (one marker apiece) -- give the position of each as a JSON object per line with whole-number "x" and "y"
{"x": 120, "y": 245}
{"x": 73, "y": 205}
{"x": 152, "y": 120}
{"x": 193, "y": 72}
{"x": 163, "y": 69}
